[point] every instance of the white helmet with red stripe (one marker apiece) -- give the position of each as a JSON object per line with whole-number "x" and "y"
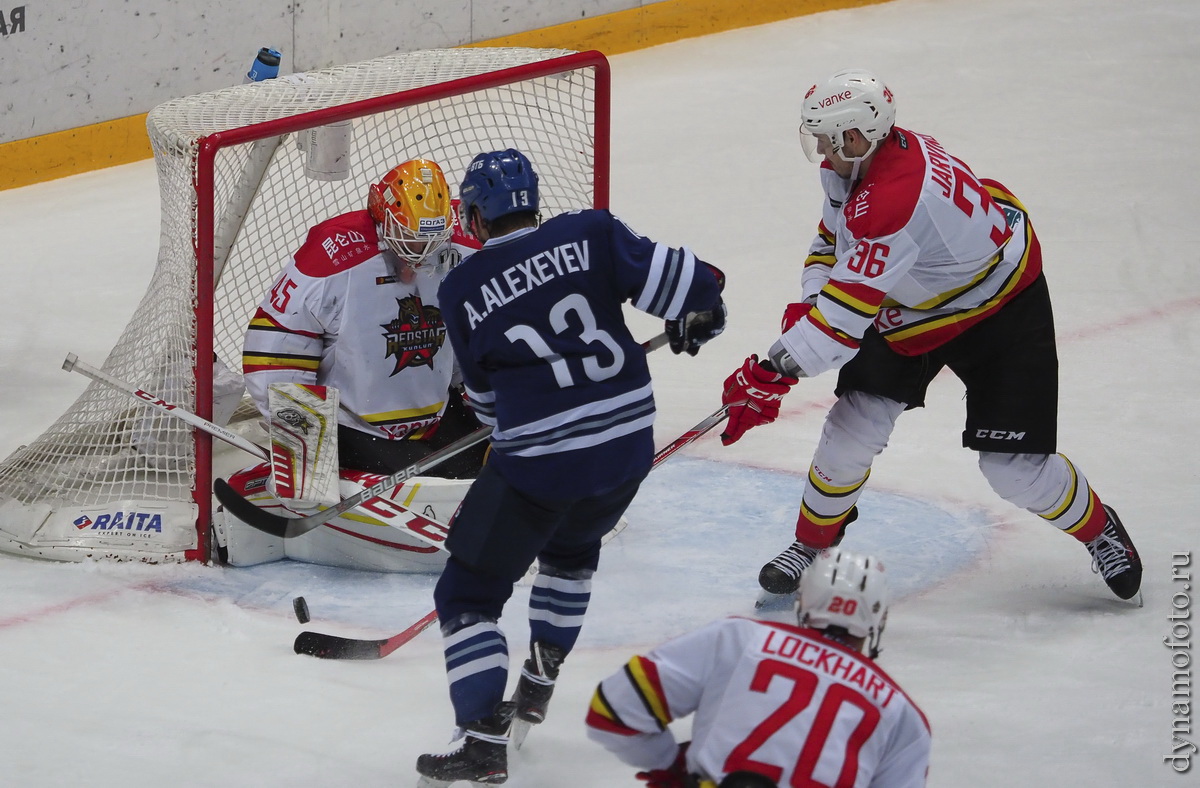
{"x": 845, "y": 591}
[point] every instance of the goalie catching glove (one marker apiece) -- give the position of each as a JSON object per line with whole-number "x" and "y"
{"x": 695, "y": 328}
{"x": 753, "y": 394}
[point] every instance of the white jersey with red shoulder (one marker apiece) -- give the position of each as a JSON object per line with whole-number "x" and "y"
{"x": 778, "y": 700}
{"x": 921, "y": 248}
{"x": 340, "y": 315}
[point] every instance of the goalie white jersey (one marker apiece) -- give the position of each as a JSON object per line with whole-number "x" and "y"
{"x": 340, "y": 315}
{"x": 769, "y": 698}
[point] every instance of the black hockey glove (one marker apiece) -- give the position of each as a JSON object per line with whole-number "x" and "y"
{"x": 695, "y": 329}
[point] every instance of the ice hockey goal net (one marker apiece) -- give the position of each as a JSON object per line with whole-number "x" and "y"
{"x": 117, "y": 479}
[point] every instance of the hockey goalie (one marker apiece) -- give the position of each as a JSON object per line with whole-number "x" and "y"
{"x": 347, "y": 361}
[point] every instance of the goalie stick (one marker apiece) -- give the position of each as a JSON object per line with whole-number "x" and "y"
{"x": 417, "y": 525}
{"x": 319, "y": 644}
{"x": 289, "y": 527}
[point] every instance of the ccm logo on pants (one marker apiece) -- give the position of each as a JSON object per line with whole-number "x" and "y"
{"x": 1000, "y": 435}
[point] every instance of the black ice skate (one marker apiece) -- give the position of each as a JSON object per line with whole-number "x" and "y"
{"x": 534, "y": 688}
{"x": 536, "y": 685}
{"x": 1115, "y": 558}
{"x": 781, "y": 575}
{"x": 481, "y": 760}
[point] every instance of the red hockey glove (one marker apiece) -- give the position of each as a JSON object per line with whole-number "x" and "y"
{"x": 674, "y": 776}
{"x": 753, "y": 394}
{"x": 793, "y": 314}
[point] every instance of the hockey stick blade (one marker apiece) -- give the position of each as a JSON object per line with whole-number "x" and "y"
{"x": 322, "y": 646}
{"x": 318, "y": 644}
{"x": 248, "y": 513}
{"x": 335, "y": 647}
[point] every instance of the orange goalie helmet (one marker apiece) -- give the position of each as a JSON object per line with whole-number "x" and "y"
{"x": 412, "y": 206}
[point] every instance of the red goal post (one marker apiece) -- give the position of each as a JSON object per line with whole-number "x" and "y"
{"x": 243, "y": 173}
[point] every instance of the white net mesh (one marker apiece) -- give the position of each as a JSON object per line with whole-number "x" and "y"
{"x": 113, "y": 460}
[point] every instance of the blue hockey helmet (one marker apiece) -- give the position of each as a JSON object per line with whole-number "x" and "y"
{"x": 498, "y": 183}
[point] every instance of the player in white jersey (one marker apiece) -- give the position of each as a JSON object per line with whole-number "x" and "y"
{"x": 794, "y": 705}
{"x": 919, "y": 265}
{"x": 356, "y": 309}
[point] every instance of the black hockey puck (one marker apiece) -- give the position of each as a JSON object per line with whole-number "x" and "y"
{"x": 301, "y": 608}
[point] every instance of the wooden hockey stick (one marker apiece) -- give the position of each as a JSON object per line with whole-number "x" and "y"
{"x": 290, "y": 527}
{"x": 319, "y": 644}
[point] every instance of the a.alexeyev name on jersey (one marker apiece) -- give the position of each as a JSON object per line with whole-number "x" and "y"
{"x": 517, "y": 280}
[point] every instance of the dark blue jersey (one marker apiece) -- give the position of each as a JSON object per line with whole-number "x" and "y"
{"x": 536, "y": 322}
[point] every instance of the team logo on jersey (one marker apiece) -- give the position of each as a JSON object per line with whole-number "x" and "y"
{"x": 415, "y": 335}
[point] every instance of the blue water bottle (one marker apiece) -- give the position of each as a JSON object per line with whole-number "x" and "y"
{"x": 265, "y": 66}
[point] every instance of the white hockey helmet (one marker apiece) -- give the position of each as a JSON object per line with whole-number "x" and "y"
{"x": 850, "y": 99}
{"x": 848, "y": 591}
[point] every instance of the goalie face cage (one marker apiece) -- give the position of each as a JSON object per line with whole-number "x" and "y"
{"x": 115, "y": 479}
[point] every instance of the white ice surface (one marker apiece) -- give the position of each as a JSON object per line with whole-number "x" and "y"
{"x": 1030, "y": 672}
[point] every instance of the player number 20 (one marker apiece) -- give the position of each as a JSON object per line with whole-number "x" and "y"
{"x": 861, "y": 719}
{"x": 841, "y": 605}
{"x": 593, "y": 367}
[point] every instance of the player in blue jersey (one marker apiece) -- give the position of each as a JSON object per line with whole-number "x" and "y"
{"x": 535, "y": 319}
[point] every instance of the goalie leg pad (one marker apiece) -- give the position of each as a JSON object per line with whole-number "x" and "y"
{"x": 244, "y": 545}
